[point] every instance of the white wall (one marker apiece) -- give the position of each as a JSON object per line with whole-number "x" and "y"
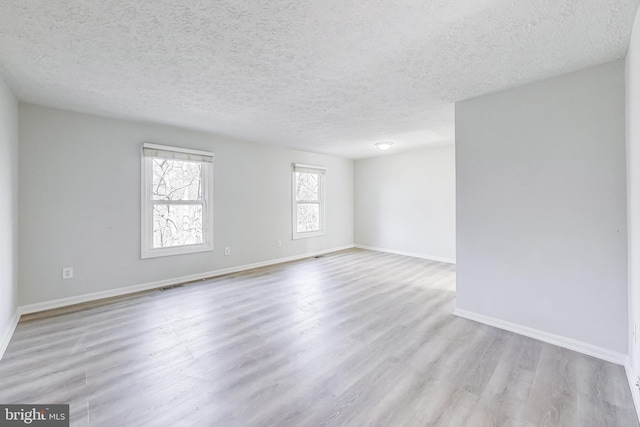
{"x": 8, "y": 212}
{"x": 633, "y": 191}
{"x": 80, "y": 203}
{"x": 541, "y": 206}
{"x": 405, "y": 202}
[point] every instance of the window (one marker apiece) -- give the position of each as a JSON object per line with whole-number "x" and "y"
{"x": 177, "y": 201}
{"x": 308, "y": 200}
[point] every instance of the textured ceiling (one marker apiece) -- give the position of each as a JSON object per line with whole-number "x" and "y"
{"x": 330, "y": 76}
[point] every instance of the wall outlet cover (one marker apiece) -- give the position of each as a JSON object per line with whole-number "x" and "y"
{"x": 67, "y": 273}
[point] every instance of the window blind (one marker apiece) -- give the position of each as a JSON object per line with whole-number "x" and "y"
{"x": 175, "y": 153}
{"x": 297, "y": 167}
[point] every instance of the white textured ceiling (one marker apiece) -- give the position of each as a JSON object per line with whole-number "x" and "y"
{"x": 330, "y": 76}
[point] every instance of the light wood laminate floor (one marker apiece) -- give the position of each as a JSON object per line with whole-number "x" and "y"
{"x": 354, "y": 338}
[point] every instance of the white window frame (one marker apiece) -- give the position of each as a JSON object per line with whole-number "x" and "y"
{"x": 321, "y": 171}
{"x": 147, "y": 249}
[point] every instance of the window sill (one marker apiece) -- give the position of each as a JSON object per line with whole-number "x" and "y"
{"x": 297, "y": 236}
{"x": 178, "y": 250}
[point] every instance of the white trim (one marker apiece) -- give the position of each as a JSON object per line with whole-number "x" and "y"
{"x": 635, "y": 392}
{"x": 64, "y": 302}
{"x": 8, "y": 334}
{"x": 295, "y": 235}
{"x": 146, "y": 208}
{"x": 411, "y": 254}
{"x": 559, "y": 340}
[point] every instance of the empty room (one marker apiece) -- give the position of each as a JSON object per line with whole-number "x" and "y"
{"x": 409, "y": 213}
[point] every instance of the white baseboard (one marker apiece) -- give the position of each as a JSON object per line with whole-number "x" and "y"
{"x": 635, "y": 392}
{"x": 8, "y": 333}
{"x": 560, "y": 341}
{"x": 64, "y": 302}
{"x": 411, "y": 254}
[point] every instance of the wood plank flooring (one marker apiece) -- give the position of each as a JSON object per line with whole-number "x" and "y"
{"x": 354, "y": 338}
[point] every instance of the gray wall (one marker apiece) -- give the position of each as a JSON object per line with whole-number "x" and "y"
{"x": 633, "y": 191}
{"x": 8, "y": 208}
{"x": 541, "y": 206}
{"x": 405, "y": 202}
{"x": 80, "y": 203}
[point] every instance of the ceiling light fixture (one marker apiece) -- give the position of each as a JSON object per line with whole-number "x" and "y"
{"x": 384, "y": 146}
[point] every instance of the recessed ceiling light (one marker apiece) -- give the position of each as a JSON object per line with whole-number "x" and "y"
{"x": 384, "y": 146}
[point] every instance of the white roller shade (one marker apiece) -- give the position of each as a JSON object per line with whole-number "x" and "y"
{"x": 166, "y": 152}
{"x": 297, "y": 167}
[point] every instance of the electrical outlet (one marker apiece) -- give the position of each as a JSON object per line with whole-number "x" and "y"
{"x": 227, "y": 251}
{"x": 67, "y": 273}
{"x": 279, "y": 243}
{"x": 635, "y": 333}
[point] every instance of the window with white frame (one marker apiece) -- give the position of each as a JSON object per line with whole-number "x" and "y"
{"x": 308, "y": 200}
{"x": 177, "y": 201}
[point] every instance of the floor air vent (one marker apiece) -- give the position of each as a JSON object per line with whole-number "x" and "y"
{"x": 166, "y": 288}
